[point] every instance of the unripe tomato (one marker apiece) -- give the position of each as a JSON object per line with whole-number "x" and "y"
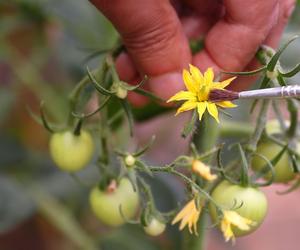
{"x": 155, "y": 227}
{"x": 283, "y": 169}
{"x": 71, "y": 152}
{"x": 248, "y": 202}
{"x": 106, "y": 205}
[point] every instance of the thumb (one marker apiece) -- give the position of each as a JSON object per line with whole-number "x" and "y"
{"x": 155, "y": 41}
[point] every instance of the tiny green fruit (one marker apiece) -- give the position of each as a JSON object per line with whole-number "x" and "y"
{"x": 71, "y": 152}
{"x": 107, "y": 204}
{"x": 155, "y": 227}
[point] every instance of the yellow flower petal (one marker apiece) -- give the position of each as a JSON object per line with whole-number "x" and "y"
{"x": 208, "y": 77}
{"x": 201, "y": 107}
{"x": 182, "y": 96}
{"x": 189, "y": 215}
{"x": 227, "y": 231}
{"x": 189, "y": 82}
{"x": 226, "y": 104}
{"x": 213, "y": 111}
{"x": 185, "y": 221}
{"x": 239, "y": 221}
{"x": 233, "y": 218}
{"x": 188, "y": 105}
{"x": 223, "y": 84}
{"x": 197, "y": 75}
{"x": 184, "y": 211}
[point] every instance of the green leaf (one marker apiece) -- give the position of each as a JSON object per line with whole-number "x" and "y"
{"x": 265, "y": 82}
{"x": 148, "y": 94}
{"x": 97, "y": 85}
{"x": 271, "y": 65}
{"x": 269, "y": 166}
{"x": 131, "y": 88}
{"x": 292, "y": 72}
{"x": 145, "y": 148}
{"x": 248, "y": 73}
{"x": 293, "y": 110}
{"x": 44, "y": 119}
{"x": 281, "y": 80}
{"x": 128, "y": 112}
{"x": 293, "y": 187}
{"x": 295, "y": 164}
{"x": 84, "y": 116}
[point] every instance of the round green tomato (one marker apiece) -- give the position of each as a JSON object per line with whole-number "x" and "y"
{"x": 106, "y": 205}
{"x": 248, "y": 202}
{"x": 155, "y": 227}
{"x": 71, "y": 152}
{"x": 283, "y": 169}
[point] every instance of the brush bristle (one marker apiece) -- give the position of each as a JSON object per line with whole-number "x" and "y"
{"x": 219, "y": 95}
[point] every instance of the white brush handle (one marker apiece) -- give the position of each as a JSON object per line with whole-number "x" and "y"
{"x": 278, "y": 92}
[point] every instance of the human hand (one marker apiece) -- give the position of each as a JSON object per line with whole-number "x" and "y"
{"x": 156, "y": 34}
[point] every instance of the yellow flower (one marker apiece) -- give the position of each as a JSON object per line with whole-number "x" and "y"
{"x": 203, "y": 170}
{"x": 197, "y": 94}
{"x": 233, "y": 218}
{"x": 189, "y": 215}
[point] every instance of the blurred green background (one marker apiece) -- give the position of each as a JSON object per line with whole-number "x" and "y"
{"x": 44, "y": 45}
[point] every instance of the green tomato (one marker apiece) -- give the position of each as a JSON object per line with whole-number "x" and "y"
{"x": 248, "y": 202}
{"x": 71, "y": 152}
{"x": 106, "y": 205}
{"x": 155, "y": 227}
{"x": 283, "y": 169}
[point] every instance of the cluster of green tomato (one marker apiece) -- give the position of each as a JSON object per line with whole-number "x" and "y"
{"x": 72, "y": 153}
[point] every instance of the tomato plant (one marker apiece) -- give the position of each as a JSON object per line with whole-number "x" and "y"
{"x": 248, "y": 202}
{"x": 107, "y": 204}
{"x": 71, "y": 152}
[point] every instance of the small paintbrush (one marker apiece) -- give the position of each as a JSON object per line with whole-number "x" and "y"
{"x": 219, "y": 95}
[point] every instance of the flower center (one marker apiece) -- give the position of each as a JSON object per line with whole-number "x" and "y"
{"x": 202, "y": 94}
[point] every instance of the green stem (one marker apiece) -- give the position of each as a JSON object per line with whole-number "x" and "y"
{"x": 204, "y": 138}
{"x": 198, "y": 241}
{"x": 75, "y": 94}
{"x": 260, "y": 126}
{"x": 235, "y": 129}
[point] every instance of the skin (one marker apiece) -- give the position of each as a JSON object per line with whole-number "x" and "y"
{"x": 156, "y": 34}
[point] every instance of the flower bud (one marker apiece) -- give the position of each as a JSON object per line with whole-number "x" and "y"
{"x": 155, "y": 227}
{"x": 202, "y": 170}
{"x": 129, "y": 160}
{"x": 121, "y": 92}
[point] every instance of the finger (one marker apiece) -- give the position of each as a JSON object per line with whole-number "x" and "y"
{"x": 233, "y": 41}
{"x": 154, "y": 38}
{"x": 286, "y": 8}
{"x": 198, "y": 16}
{"x": 125, "y": 68}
